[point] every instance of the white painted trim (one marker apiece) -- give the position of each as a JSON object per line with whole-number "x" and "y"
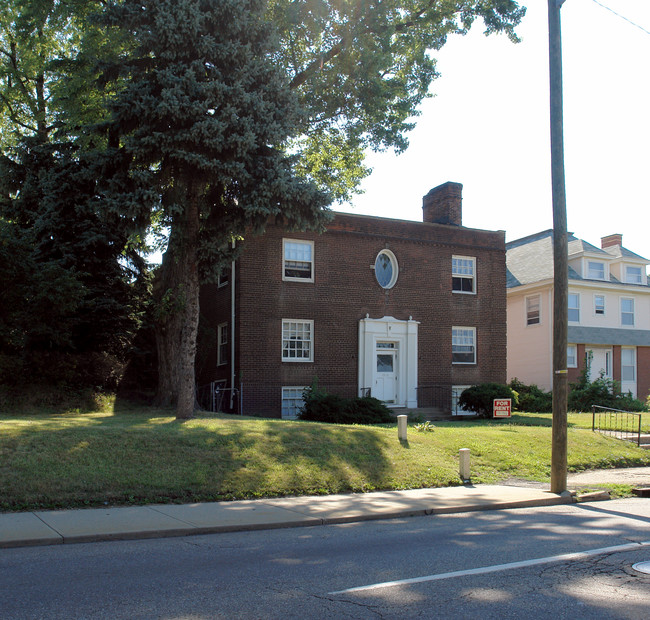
{"x": 405, "y": 334}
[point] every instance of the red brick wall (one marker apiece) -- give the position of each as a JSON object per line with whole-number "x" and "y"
{"x": 345, "y": 290}
{"x": 643, "y": 372}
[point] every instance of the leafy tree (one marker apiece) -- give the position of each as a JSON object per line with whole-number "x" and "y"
{"x": 362, "y": 67}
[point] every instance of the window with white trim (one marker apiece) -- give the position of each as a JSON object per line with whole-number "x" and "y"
{"x": 463, "y": 274}
{"x": 627, "y": 311}
{"x": 599, "y": 305}
{"x": 571, "y": 356}
{"x": 463, "y": 345}
{"x": 292, "y": 401}
{"x": 222, "y": 344}
{"x": 633, "y": 275}
{"x": 574, "y": 307}
{"x": 628, "y": 364}
{"x": 224, "y": 278}
{"x": 595, "y": 270}
{"x": 297, "y": 340}
{"x": 533, "y": 304}
{"x": 298, "y": 260}
{"x": 456, "y": 391}
{"x": 386, "y": 269}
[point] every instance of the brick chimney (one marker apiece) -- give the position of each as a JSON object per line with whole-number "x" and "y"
{"x": 611, "y": 240}
{"x": 443, "y": 204}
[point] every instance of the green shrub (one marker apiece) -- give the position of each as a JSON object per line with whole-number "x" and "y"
{"x": 604, "y": 392}
{"x": 320, "y": 406}
{"x": 478, "y": 398}
{"x": 531, "y": 398}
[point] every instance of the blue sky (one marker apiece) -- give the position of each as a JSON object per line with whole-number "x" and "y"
{"x": 487, "y": 127}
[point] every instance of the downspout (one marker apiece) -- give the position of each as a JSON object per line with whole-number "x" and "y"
{"x": 232, "y": 330}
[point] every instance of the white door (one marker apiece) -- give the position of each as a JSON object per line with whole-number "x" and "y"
{"x": 386, "y": 376}
{"x": 601, "y": 363}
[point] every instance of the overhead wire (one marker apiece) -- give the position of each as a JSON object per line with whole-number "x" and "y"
{"x": 621, "y": 16}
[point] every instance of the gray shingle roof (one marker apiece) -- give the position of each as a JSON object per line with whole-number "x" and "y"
{"x": 530, "y": 259}
{"x": 610, "y": 336}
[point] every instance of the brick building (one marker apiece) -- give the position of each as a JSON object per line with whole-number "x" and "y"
{"x": 411, "y": 312}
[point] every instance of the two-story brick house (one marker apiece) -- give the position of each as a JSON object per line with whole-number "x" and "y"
{"x": 410, "y": 312}
{"x": 609, "y": 312}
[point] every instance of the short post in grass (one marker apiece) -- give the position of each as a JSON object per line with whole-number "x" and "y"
{"x": 463, "y": 460}
{"x": 401, "y": 427}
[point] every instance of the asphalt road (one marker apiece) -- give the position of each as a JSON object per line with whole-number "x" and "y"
{"x": 317, "y": 572}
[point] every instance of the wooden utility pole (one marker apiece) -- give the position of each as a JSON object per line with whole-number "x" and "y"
{"x": 560, "y": 256}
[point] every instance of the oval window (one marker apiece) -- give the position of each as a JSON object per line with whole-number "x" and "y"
{"x": 386, "y": 269}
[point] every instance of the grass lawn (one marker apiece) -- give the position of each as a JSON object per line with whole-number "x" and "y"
{"x": 145, "y": 455}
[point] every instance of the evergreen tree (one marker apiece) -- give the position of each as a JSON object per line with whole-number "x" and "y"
{"x": 206, "y": 112}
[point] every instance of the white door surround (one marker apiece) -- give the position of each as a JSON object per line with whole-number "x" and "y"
{"x": 601, "y": 362}
{"x": 388, "y": 359}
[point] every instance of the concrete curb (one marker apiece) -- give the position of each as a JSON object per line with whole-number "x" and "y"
{"x": 161, "y": 521}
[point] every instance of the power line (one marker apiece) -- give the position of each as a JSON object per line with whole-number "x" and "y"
{"x": 621, "y": 16}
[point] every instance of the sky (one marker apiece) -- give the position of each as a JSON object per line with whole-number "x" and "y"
{"x": 487, "y": 127}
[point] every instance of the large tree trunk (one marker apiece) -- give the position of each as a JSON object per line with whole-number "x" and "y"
{"x": 177, "y": 298}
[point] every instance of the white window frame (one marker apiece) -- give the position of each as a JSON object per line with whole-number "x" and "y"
{"x": 598, "y": 306}
{"x": 632, "y": 366}
{"x": 224, "y": 278}
{"x": 576, "y": 308}
{"x": 627, "y": 313}
{"x": 456, "y": 391}
{"x": 463, "y": 269}
{"x": 286, "y": 245}
{"x": 297, "y": 327}
{"x": 530, "y": 311}
{"x": 222, "y": 343}
{"x": 635, "y": 279}
{"x": 394, "y": 267}
{"x": 459, "y": 333}
{"x": 572, "y": 356}
{"x": 599, "y": 266}
{"x": 291, "y": 401}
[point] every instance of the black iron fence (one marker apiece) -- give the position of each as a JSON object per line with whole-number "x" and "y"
{"x": 617, "y": 423}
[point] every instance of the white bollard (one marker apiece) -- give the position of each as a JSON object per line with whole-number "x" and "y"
{"x": 401, "y": 427}
{"x": 463, "y": 460}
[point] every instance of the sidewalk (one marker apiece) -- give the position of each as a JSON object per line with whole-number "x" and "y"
{"x": 54, "y": 527}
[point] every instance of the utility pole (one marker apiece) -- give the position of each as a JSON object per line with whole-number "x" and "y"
{"x": 560, "y": 256}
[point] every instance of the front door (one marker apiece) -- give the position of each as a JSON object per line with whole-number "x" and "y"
{"x": 386, "y": 372}
{"x": 601, "y": 363}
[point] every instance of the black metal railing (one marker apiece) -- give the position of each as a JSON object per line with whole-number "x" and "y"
{"x": 616, "y": 423}
{"x": 215, "y": 397}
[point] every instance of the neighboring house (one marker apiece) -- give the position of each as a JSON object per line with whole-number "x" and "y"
{"x": 609, "y": 312}
{"x": 408, "y": 312}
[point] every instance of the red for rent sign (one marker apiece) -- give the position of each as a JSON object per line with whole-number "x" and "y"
{"x": 502, "y": 407}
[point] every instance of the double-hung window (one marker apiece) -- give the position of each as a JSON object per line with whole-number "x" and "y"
{"x": 574, "y": 307}
{"x": 533, "y": 304}
{"x": 595, "y": 270}
{"x": 571, "y": 356}
{"x": 627, "y": 311}
{"x": 599, "y": 305}
{"x": 633, "y": 275}
{"x": 628, "y": 364}
{"x": 463, "y": 345}
{"x": 298, "y": 260}
{"x": 222, "y": 344}
{"x": 292, "y": 401}
{"x": 463, "y": 274}
{"x": 297, "y": 341}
